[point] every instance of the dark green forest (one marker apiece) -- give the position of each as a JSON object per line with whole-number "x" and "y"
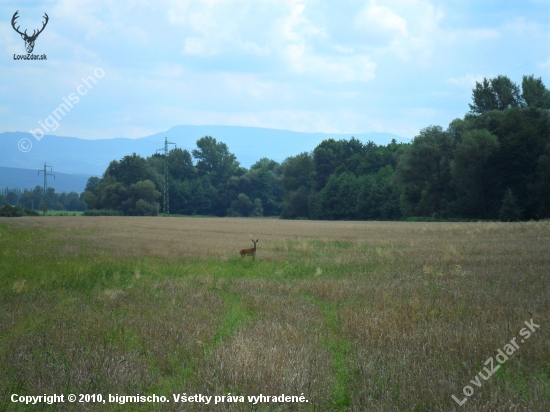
{"x": 492, "y": 164}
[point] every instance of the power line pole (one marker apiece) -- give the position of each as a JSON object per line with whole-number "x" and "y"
{"x": 46, "y": 174}
{"x": 166, "y": 207}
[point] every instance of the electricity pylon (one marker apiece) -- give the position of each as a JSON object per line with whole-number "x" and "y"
{"x": 166, "y": 207}
{"x": 46, "y": 174}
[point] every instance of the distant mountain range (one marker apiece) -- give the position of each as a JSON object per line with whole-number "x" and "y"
{"x": 11, "y": 177}
{"x": 74, "y": 156}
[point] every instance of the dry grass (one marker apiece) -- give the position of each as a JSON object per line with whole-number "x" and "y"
{"x": 377, "y": 316}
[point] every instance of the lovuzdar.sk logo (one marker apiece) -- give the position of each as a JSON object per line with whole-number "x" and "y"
{"x": 29, "y": 40}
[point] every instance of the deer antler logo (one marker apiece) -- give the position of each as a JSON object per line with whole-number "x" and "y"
{"x": 29, "y": 40}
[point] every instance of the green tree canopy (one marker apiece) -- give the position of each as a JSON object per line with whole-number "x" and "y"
{"x": 298, "y": 172}
{"x": 469, "y": 169}
{"x": 534, "y": 93}
{"x": 215, "y": 160}
{"x": 424, "y": 173}
{"x": 499, "y": 93}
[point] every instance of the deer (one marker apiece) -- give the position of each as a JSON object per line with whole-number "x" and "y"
{"x": 251, "y": 251}
{"x": 29, "y": 40}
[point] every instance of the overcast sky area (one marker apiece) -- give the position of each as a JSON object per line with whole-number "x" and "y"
{"x": 309, "y": 66}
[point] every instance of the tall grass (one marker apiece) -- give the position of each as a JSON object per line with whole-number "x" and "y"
{"x": 355, "y": 315}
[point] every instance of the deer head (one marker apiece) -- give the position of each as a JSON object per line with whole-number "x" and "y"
{"x": 29, "y": 40}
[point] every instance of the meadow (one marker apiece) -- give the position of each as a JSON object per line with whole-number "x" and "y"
{"x": 356, "y": 316}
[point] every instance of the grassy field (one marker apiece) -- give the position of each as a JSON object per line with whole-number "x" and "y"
{"x": 356, "y": 316}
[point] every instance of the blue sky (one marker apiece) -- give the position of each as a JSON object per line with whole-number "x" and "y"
{"x": 310, "y": 66}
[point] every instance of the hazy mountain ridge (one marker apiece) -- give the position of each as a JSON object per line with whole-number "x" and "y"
{"x": 91, "y": 157}
{"x": 28, "y": 179}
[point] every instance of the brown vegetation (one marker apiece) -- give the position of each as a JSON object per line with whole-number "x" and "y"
{"x": 358, "y": 316}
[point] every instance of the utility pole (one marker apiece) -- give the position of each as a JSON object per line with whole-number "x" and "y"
{"x": 166, "y": 207}
{"x": 46, "y": 174}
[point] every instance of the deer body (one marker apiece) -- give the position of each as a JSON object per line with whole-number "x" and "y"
{"x": 251, "y": 251}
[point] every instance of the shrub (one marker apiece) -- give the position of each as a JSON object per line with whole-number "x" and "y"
{"x": 16, "y": 211}
{"x": 101, "y": 212}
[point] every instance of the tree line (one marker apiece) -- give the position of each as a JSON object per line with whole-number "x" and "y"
{"x": 215, "y": 184}
{"x": 36, "y": 200}
{"x": 494, "y": 163}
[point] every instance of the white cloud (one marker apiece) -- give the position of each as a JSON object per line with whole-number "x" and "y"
{"x": 295, "y": 26}
{"x": 303, "y": 65}
{"x": 468, "y": 80}
{"x": 544, "y": 65}
{"x": 337, "y": 68}
{"x": 82, "y": 16}
{"x": 522, "y": 27}
{"x": 381, "y": 18}
{"x": 247, "y": 85}
{"x": 408, "y": 29}
{"x": 469, "y": 36}
{"x": 212, "y": 28}
{"x": 343, "y": 49}
{"x": 299, "y": 47}
{"x": 195, "y": 46}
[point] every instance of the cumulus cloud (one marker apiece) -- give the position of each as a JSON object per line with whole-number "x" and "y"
{"x": 381, "y": 18}
{"x": 408, "y": 29}
{"x": 302, "y": 53}
{"x": 212, "y": 28}
{"x": 335, "y": 68}
{"x": 291, "y": 32}
{"x": 335, "y": 65}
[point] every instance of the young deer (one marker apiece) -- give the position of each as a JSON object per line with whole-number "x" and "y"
{"x": 251, "y": 251}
